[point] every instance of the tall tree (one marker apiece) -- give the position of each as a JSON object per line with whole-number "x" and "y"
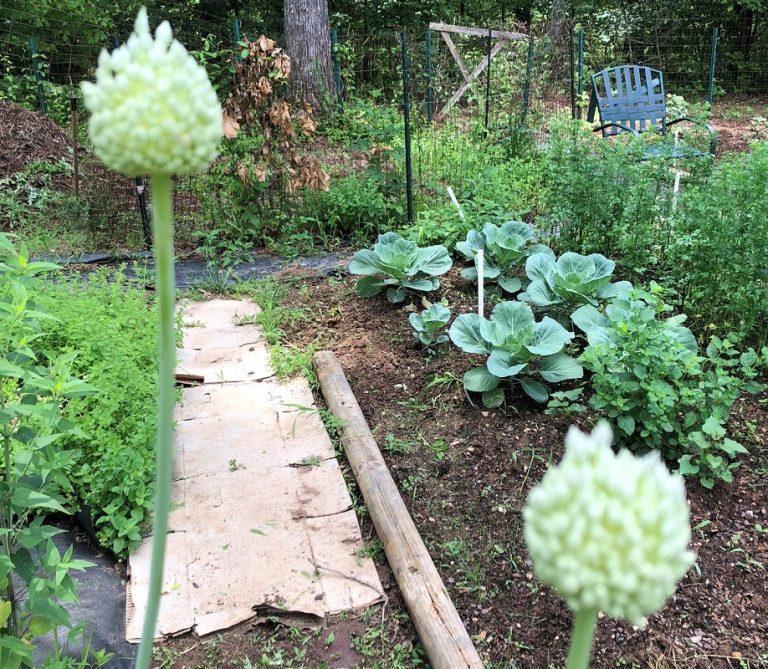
{"x": 308, "y": 43}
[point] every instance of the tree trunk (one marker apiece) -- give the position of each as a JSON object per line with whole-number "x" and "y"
{"x": 308, "y": 43}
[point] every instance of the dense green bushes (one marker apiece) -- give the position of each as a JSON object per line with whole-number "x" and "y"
{"x": 110, "y": 328}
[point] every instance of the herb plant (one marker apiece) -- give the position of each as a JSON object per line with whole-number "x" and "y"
{"x": 505, "y": 250}
{"x": 650, "y": 381}
{"x": 398, "y": 265}
{"x": 560, "y": 285}
{"x": 428, "y": 324}
{"x": 519, "y": 349}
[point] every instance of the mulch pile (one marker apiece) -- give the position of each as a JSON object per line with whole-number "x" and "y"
{"x": 27, "y": 136}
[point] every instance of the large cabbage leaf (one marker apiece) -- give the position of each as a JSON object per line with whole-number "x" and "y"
{"x": 398, "y": 265}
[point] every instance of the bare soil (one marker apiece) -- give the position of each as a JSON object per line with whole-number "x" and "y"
{"x": 465, "y": 481}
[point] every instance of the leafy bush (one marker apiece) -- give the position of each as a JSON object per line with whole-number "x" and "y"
{"x": 428, "y": 324}
{"x": 560, "y": 285}
{"x": 518, "y": 349}
{"x": 34, "y": 386}
{"x": 717, "y": 254}
{"x": 110, "y": 327}
{"x": 650, "y": 381}
{"x": 505, "y": 249}
{"x": 403, "y": 265}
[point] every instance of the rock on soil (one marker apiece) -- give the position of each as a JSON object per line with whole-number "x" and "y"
{"x": 27, "y": 136}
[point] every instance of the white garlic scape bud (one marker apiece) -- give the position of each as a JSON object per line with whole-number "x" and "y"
{"x": 609, "y": 531}
{"x": 153, "y": 109}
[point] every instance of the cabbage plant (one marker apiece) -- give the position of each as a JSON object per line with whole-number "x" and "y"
{"x": 428, "y": 324}
{"x": 519, "y": 349}
{"x": 398, "y": 265}
{"x": 505, "y": 249}
{"x": 565, "y": 283}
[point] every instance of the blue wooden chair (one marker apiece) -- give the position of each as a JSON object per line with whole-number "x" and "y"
{"x": 631, "y": 98}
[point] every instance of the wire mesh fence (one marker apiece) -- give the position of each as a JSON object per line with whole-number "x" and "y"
{"x": 467, "y": 95}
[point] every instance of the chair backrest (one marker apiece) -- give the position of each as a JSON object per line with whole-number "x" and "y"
{"x": 630, "y": 95}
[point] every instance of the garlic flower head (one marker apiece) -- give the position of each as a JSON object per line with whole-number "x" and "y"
{"x": 153, "y": 109}
{"x": 609, "y": 531}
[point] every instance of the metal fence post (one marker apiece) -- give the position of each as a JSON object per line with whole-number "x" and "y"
{"x": 140, "y": 193}
{"x": 430, "y": 104}
{"x": 407, "y": 122}
{"x": 38, "y": 77}
{"x": 236, "y": 37}
{"x": 75, "y": 133}
{"x": 580, "y": 35}
{"x": 527, "y": 82}
{"x": 488, "y": 77}
{"x": 337, "y": 68}
{"x": 712, "y": 61}
{"x": 572, "y": 73}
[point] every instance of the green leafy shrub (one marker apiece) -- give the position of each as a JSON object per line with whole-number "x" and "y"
{"x": 561, "y": 284}
{"x": 650, "y": 381}
{"x": 717, "y": 254}
{"x": 111, "y": 328}
{"x": 518, "y": 348}
{"x": 428, "y": 324}
{"x": 34, "y": 386}
{"x": 505, "y": 250}
{"x": 402, "y": 264}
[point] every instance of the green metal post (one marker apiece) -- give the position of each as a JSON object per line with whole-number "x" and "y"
{"x": 488, "y": 77}
{"x": 430, "y": 103}
{"x": 407, "y": 123}
{"x": 337, "y": 68}
{"x": 527, "y": 83}
{"x": 573, "y": 73}
{"x": 580, "y": 37}
{"x": 38, "y": 77}
{"x": 236, "y": 37}
{"x": 712, "y": 61}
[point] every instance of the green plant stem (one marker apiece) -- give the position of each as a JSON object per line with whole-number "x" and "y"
{"x": 162, "y": 220}
{"x": 584, "y": 623}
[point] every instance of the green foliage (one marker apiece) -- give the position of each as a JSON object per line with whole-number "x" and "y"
{"x": 505, "y": 250}
{"x": 402, "y": 264}
{"x": 34, "y": 386}
{"x": 717, "y": 253}
{"x": 518, "y": 348}
{"x": 561, "y": 284}
{"x": 111, "y": 327}
{"x": 427, "y": 325}
{"x": 650, "y": 381}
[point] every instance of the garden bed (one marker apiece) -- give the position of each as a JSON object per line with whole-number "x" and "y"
{"x": 464, "y": 473}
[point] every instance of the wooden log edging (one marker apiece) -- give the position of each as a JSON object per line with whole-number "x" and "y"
{"x": 437, "y": 622}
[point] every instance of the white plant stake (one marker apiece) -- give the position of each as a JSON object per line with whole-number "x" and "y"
{"x": 154, "y": 111}
{"x": 452, "y": 195}
{"x": 678, "y": 172}
{"x": 480, "y": 260}
{"x": 609, "y": 532}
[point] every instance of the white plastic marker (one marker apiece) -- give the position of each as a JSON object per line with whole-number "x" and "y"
{"x": 452, "y": 195}
{"x": 678, "y": 173}
{"x": 480, "y": 260}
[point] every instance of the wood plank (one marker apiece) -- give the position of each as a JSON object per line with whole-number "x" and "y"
{"x": 456, "y": 56}
{"x": 437, "y": 622}
{"x": 472, "y": 77}
{"x": 479, "y": 32}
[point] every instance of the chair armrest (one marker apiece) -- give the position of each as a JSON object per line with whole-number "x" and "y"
{"x": 706, "y": 126}
{"x": 616, "y": 125}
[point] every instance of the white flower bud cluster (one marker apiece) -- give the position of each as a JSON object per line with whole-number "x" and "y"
{"x": 609, "y": 531}
{"x": 153, "y": 109}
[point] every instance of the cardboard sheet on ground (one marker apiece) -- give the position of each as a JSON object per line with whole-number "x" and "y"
{"x": 262, "y": 522}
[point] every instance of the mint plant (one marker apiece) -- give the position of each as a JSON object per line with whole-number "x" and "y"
{"x": 650, "y": 381}
{"x": 505, "y": 250}
{"x": 34, "y": 576}
{"x": 519, "y": 350}
{"x": 428, "y": 324}
{"x": 398, "y": 265}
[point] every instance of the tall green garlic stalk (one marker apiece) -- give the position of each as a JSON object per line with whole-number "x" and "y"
{"x": 609, "y": 532}
{"x": 154, "y": 111}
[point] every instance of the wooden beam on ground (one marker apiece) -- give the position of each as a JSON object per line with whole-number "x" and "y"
{"x": 440, "y": 628}
{"x": 472, "y": 77}
{"x": 479, "y": 32}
